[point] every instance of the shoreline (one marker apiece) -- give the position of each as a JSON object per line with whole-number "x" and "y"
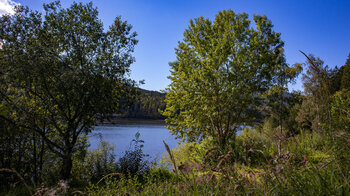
{"x": 120, "y": 121}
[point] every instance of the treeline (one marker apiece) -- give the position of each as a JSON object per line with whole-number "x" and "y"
{"x": 147, "y": 105}
{"x": 320, "y": 107}
{"x": 326, "y": 94}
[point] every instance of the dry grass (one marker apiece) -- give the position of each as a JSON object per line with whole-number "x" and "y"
{"x": 109, "y": 175}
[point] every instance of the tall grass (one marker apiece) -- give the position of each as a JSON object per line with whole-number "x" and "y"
{"x": 306, "y": 165}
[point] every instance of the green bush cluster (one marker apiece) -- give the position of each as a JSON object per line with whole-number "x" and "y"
{"x": 95, "y": 164}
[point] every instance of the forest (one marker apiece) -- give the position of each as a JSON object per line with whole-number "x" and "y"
{"x": 146, "y": 106}
{"x": 243, "y": 132}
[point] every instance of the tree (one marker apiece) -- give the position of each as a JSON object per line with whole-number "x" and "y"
{"x": 222, "y": 68}
{"x": 62, "y": 72}
{"x": 345, "y": 80}
{"x": 341, "y": 111}
{"x": 316, "y": 107}
{"x": 286, "y": 108}
{"x": 341, "y": 102}
{"x": 146, "y": 106}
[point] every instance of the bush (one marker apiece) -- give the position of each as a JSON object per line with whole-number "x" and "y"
{"x": 253, "y": 147}
{"x": 341, "y": 110}
{"x": 92, "y": 165}
{"x": 95, "y": 164}
{"x": 133, "y": 162}
{"x": 101, "y": 161}
{"x": 188, "y": 153}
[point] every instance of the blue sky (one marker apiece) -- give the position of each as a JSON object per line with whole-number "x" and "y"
{"x": 320, "y": 27}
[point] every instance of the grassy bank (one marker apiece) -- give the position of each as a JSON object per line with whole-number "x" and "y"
{"x": 305, "y": 164}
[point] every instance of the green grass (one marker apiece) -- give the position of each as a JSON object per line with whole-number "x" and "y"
{"x": 308, "y": 164}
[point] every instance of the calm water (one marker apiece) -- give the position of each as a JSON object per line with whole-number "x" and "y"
{"x": 121, "y": 135}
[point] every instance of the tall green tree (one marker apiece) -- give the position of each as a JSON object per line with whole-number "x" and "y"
{"x": 62, "y": 72}
{"x": 316, "y": 107}
{"x": 345, "y": 80}
{"x": 341, "y": 101}
{"x": 222, "y": 68}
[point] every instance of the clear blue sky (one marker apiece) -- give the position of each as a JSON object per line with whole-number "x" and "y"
{"x": 320, "y": 27}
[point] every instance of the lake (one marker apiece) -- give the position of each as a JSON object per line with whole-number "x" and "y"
{"x": 121, "y": 135}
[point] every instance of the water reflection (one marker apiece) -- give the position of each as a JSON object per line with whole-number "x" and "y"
{"x": 120, "y": 136}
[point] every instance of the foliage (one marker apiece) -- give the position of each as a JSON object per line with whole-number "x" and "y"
{"x": 131, "y": 185}
{"x": 336, "y": 76}
{"x": 322, "y": 94}
{"x": 300, "y": 159}
{"x": 287, "y": 173}
{"x": 101, "y": 162}
{"x": 133, "y": 162}
{"x": 282, "y": 111}
{"x": 253, "y": 148}
{"x": 315, "y": 109}
{"x": 61, "y": 72}
{"x": 146, "y": 106}
{"x": 16, "y": 153}
{"x": 222, "y": 68}
{"x": 341, "y": 111}
{"x": 345, "y": 80}
{"x": 18, "y": 190}
{"x": 188, "y": 153}
{"x": 307, "y": 164}
{"x": 95, "y": 164}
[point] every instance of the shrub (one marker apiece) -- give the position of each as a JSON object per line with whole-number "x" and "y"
{"x": 189, "y": 152}
{"x": 253, "y": 147}
{"x": 133, "y": 162}
{"x": 101, "y": 161}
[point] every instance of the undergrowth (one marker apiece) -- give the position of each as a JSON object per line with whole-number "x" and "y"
{"x": 307, "y": 164}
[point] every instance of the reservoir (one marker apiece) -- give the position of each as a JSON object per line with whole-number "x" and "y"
{"x": 120, "y": 136}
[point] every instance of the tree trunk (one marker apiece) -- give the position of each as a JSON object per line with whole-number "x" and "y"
{"x": 35, "y": 159}
{"x": 41, "y": 158}
{"x": 66, "y": 166}
{"x": 222, "y": 143}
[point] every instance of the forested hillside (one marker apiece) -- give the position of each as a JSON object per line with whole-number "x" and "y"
{"x": 146, "y": 106}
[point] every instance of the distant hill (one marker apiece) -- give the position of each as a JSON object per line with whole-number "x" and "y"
{"x": 147, "y": 105}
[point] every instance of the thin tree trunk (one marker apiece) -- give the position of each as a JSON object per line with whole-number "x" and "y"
{"x": 35, "y": 158}
{"x": 281, "y": 131}
{"x": 42, "y": 150}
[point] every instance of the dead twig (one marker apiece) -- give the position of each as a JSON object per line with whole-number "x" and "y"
{"x": 108, "y": 175}
{"x": 18, "y": 175}
{"x": 78, "y": 192}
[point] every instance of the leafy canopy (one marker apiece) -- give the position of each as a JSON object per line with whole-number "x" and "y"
{"x": 345, "y": 80}
{"x": 62, "y": 72}
{"x": 222, "y": 68}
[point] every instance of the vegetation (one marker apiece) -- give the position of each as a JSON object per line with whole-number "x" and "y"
{"x": 146, "y": 106}
{"x": 61, "y": 73}
{"x": 222, "y": 70}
